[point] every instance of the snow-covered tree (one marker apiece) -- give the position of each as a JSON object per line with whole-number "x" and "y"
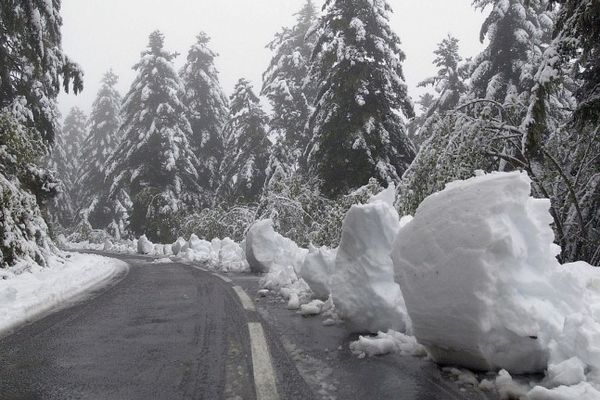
{"x": 357, "y": 128}
{"x": 449, "y": 84}
{"x": 66, "y": 159}
{"x": 516, "y": 31}
{"x": 450, "y": 81}
{"x": 477, "y": 135}
{"x": 101, "y": 142}
{"x": 154, "y": 165}
{"x": 32, "y": 64}
{"x": 247, "y": 147}
{"x": 206, "y": 110}
{"x": 569, "y": 157}
{"x": 287, "y": 85}
{"x": 32, "y": 69}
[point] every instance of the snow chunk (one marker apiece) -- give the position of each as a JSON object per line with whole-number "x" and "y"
{"x": 581, "y": 391}
{"x": 384, "y": 343}
{"x": 145, "y": 246}
{"x": 362, "y": 286}
{"x": 481, "y": 282}
{"x": 266, "y": 248}
{"x": 317, "y": 269}
{"x": 313, "y": 308}
{"x": 568, "y": 372}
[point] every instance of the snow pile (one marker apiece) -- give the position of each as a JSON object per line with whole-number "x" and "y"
{"x": 317, "y": 269}
{"x": 266, "y": 248}
{"x": 362, "y": 285}
{"x": 31, "y": 294}
{"x": 484, "y": 290}
{"x": 145, "y": 246}
{"x": 229, "y": 256}
{"x": 221, "y": 255}
{"x": 281, "y": 260}
{"x": 384, "y": 343}
{"x": 117, "y": 246}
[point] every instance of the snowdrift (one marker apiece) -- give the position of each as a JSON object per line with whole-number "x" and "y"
{"x": 31, "y": 294}
{"x": 362, "y": 285}
{"x": 482, "y": 285}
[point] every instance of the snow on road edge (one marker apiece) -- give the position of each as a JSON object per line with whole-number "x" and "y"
{"x": 28, "y": 296}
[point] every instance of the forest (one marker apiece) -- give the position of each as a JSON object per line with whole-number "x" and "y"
{"x": 176, "y": 155}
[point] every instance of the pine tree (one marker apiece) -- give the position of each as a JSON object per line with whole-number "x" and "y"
{"x": 356, "y": 129}
{"x": 449, "y": 82}
{"x": 247, "y": 148}
{"x": 206, "y": 110}
{"x": 32, "y": 69}
{"x": 32, "y": 63}
{"x": 517, "y": 31}
{"x": 154, "y": 165}
{"x": 287, "y": 85}
{"x": 569, "y": 156}
{"x": 100, "y": 144}
{"x": 482, "y": 133}
{"x": 66, "y": 159}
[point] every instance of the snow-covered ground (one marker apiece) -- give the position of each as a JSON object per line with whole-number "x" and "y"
{"x": 30, "y": 294}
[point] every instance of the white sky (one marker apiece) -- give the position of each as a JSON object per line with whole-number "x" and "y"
{"x": 103, "y": 34}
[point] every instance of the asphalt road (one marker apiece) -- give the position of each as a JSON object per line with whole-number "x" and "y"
{"x": 172, "y": 331}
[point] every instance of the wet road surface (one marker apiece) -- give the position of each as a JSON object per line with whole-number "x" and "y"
{"x": 172, "y": 331}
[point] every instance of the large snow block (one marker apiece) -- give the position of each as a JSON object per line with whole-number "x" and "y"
{"x": 228, "y": 255}
{"x": 266, "y": 248}
{"x": 317, "y": 269}
{"x": 362, "y": 285}
{"x": 475, "y": 266}
{"x": 145, "y": 246}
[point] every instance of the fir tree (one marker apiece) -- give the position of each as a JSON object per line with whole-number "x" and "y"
{"x": 569, "y": 156}
{"x": 32, "y": 63}
{"x": 449, "y": 82}
{"x": 66, "y": 160}
{"x": 517, "y": 31}
{"x": 32, "y": 69}
{"x": 154, "y": 165}
{"x": 206, "y": 110}
{"x": 356, "y": 129}
{"x": 247, "y": 148}
{"x": 477, "y": 136}
{"x": 287, "y": 85}
{"x": 100, "y": 144}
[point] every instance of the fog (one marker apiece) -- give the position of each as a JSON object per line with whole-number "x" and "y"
{"x": 103, "y": 34}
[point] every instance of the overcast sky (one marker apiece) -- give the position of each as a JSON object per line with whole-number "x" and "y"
{"x": 103, "y": 34}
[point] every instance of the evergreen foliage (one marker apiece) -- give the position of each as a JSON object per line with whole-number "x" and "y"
{"x": 101, "y": 142}
{"x": 247, "y": 148}
{"x": 287, "y": 85}
{"x": 357, "y": 130}
{"x": 66, "y": 160}
{"x": 33, "y": 65}
{"x": 154, "y": 165}
{"x": 206, "y": 110}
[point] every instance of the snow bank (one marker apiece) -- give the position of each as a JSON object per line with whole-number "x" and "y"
{"x": 27, "y": 296}
{"x": 484, "y": 290}
{"x": 120, "y": 246}
{"x": 317, "y": 269}
{"x": 362, "y": 285}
